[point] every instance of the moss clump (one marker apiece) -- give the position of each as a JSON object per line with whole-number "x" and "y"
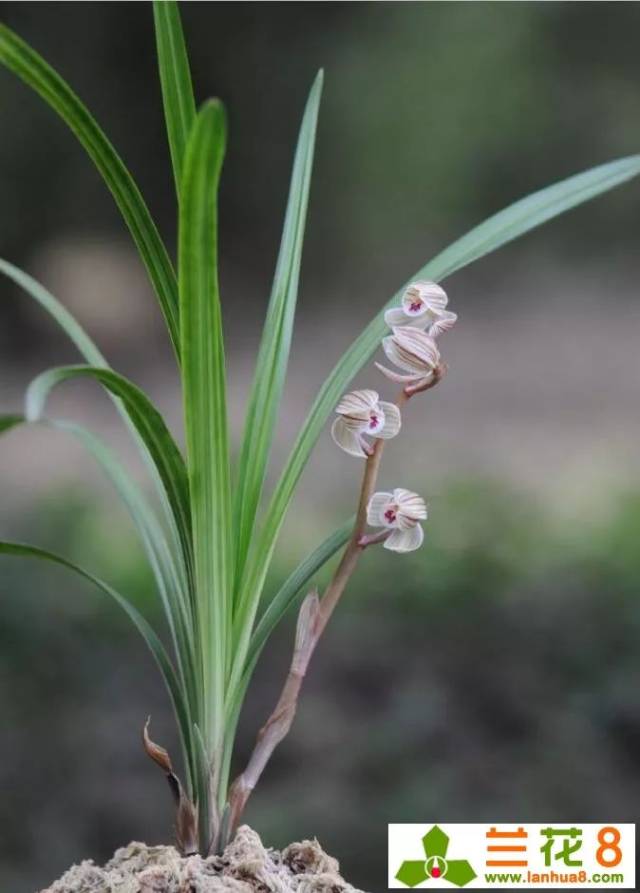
{"x": 246, "y": 866}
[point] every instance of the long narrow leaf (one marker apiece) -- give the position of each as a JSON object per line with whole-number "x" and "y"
{"x": 204, "y": 386}
{"x": 489, "y": 236}
{"x": 148, "y": 423}
{"x": 273, "y": 356}
{"x": 143, "y": 627}
{"x": 175, "y": 79}
{"x": 94, "y": 357}
{"x": 153, "y": 540}
{"x": 20, "y": 58}
{"x": 150, "y": 532}
{"x": 58, "y": 311}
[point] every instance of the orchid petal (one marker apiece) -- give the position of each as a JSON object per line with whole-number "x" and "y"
{"x": 405, "y": 540}
{"x": 419, "y": 384}
{"x": 396, "y": 317}
{"x": 442, "y": 322}
{"x": 415, "y": 347}
{"x": 423, "y": 322}
{"x": 378, "y": 504}
{"x": 347, "y": 439}
{"x": 410, "y": 505}
{"x": 405, "y": 361}
{"x": 392, "y": 421}
{"x": 355, "y": 424}
{"x": 358, "y": 402}
{"x": 397, "y": 377}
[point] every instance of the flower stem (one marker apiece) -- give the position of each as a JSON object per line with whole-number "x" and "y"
{"x": 313, "y": 618}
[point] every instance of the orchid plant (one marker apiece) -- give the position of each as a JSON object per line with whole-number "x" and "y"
{"x": 208, "y": 529}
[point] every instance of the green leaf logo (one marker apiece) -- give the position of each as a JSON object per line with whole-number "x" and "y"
{"x": 436, "y": 843}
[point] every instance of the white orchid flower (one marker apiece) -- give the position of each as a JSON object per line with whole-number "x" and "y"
{"x": 399, "y": 513}
{"x": 362, "y": 413}
{"x": 423, "y": 307}
{"x": 413, "y": 351}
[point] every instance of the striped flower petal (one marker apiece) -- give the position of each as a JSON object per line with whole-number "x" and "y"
{"x": 358, "y": 404}
{"x": 392, "y": 420}
{"x": 441, "y": 323}
{"x": 347, "y": 439}
{"x": 411, "y": 350}
{"x": 397, "y": 377}
{"x": 378, "y": 504}
{"x": 397, "y": 317}
{"x": 411, "y": 507}
{"x": 405, "y": 540}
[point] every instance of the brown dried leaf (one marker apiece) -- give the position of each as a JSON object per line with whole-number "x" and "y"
{"x": 158, "y": 754}
{"x": 186, "y": 816}
{"x": 186, "y": 825}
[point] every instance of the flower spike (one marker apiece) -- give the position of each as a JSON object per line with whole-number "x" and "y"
{"x": 362, "y": 414}
{"x": 398, "y": 513}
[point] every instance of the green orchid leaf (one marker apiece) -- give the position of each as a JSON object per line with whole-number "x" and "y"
{"x": 94, "y": 357}
{"x": 56, "y": 310}
{"x": 149, "y": 425}
{"x": 174, "y": 602}
{"x": 175, "y": 605}
{"x": 155, "y": 546}
{"x": 146, "y": 631}
{"x": 271, "y": 366}
{"x": 205, "y": 408}
{"x": 293, "y": 591}
{"x": 175, "y": 80}
{"x": 289, "y": 596}
{"x": 20, "y": 58}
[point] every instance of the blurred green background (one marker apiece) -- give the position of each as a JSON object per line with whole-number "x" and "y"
{"x": 493, "y": 675}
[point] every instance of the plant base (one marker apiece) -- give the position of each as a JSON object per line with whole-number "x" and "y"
{"x": 245, "y": 867}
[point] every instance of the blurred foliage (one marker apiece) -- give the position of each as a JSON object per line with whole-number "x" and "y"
{"x": 492, "y": 675}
